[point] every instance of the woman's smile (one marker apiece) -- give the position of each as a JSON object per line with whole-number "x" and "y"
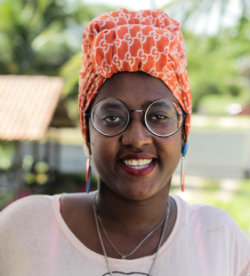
{"x": 137, "y": 164}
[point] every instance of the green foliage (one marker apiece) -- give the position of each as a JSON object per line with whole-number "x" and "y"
{"x": 218, "y": 61}
{"x": 214, "y": 66}
{"x": 44, "y": 37}
{"x": 23, "y": 24}
{"x": 70, "y": 72}
{"x": 6, "y": 153}
{"x": 35, "y": 173}
{"x": 38, "y": 37}
{"x": 238, "y": 206}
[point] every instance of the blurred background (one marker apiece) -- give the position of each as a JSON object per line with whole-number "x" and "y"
{"x": 40, "y": 140}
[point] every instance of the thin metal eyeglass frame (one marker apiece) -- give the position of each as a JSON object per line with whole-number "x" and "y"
{"x": 184, "y": 116}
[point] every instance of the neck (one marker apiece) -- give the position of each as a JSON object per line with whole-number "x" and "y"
{"x": 126, "y": 214}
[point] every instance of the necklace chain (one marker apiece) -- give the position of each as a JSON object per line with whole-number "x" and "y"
{"x": 124, "y": 256}
{"x": 97, "y": 218}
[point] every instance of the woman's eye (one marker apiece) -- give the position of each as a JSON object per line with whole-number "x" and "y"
{"x": 112, "y": 119}
{"x": 158, "y": 117}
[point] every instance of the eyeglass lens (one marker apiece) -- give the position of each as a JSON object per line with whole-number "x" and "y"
{"x": 110, "y": 117}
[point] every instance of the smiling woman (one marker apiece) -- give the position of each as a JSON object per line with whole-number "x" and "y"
{"x": 134, "y": 111}
{"x": 134, "y": 162}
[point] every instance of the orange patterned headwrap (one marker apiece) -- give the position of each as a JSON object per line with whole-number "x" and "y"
{"x": 123, "y": 40}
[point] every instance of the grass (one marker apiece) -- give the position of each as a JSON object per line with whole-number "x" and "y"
{"x": 238, "y": 206}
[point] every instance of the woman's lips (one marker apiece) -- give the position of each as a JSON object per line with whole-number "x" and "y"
{"x": 137, "y": 164}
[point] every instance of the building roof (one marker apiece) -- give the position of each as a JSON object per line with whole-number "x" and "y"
{"x": 27, "y": 104}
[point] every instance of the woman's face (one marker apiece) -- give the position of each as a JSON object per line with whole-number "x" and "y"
{"x": 135, "y": 164}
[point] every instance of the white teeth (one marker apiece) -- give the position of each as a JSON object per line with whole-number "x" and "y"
{"x": 137, "y": 163}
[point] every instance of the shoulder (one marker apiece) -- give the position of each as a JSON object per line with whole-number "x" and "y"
{"x": 22, "y": 210}
{"x": 26, "y": 203}
{"x": 204, "y": 214}
{"x": 213, "y": 226}
{"x": 210, "y": 223}
{"x": 210, "y": 215}
{"x": 25, "y": 227}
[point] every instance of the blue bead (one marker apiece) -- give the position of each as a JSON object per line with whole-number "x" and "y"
{"x": 184, "y": 150}
{"x": 89, "y": 181}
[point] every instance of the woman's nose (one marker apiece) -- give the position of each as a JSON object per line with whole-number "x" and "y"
{"x": 136, "y": 134}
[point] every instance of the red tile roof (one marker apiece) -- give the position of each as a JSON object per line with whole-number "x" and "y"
{"x": 27, "y": 104}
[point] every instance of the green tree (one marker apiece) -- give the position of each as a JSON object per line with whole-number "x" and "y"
{"x": 218, "y": 61}
{"x": 70, "y": 70}
{"x": 215, "y": 66}
{"x": 37, "y": 37}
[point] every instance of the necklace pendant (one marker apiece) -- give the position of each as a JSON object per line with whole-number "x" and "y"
{"x": 124, "y": 258}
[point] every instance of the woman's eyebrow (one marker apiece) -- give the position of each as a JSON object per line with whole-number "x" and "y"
{"x": 111, "y": 105}
{"x": 146, "y": 104}
{"x": 156, "y": 104}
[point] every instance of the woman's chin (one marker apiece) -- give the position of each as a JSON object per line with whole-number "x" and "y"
{"x": 138, "y": 191}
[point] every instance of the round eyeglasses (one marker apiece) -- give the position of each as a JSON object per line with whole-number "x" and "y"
{"x": 162, "y": 118}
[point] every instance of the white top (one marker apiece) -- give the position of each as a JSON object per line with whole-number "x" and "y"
{"x": 35, "y": 240}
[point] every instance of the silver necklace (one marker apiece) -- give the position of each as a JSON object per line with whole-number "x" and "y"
{"x": 103, "y": 247}
{"x": 124, "y": 256}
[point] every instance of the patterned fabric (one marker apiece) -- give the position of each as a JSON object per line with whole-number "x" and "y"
{"x": 123, "y": 40}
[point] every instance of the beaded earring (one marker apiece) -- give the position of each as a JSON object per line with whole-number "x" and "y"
{"x": 88, "y": 167}
{"x": 183, "y": 154}
{"x": 88, "y": 174}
